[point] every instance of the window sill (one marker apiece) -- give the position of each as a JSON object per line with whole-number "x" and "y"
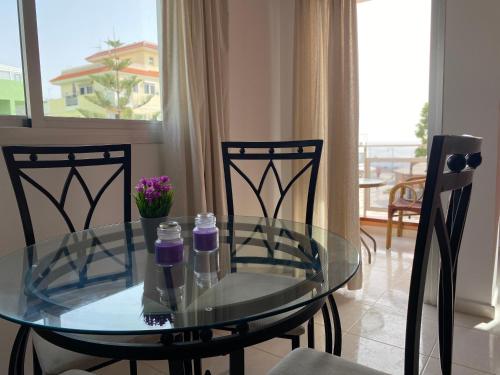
{"x": 74, "y": 135}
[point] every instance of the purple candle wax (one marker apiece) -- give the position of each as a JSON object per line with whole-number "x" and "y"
{"x": 205, "y": 239}
{"x": 169, "y": 253}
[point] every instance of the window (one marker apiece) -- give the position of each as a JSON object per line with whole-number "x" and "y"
{"x": 86, "y": 90}
{"x": 392, "y": 109}
{"x": 12, "y": 98}
{"x": 149, "y": 88}
{"x": 72, "y": 68}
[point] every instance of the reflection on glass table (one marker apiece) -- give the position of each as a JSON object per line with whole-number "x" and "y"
{"x": 105, "y": 281}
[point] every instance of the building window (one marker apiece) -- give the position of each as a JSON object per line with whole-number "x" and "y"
{"x": 54, "y": 77}
{"x": 149, "y": 88}
{"x": 86, "y": 90}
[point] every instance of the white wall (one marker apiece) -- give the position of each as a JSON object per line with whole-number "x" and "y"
{"x": 471, "y": 105}
{"x": 260, "y": 85}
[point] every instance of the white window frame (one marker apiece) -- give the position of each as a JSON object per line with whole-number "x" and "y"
{"x": 149, "y": 85}
{"x": 35, "y": 117}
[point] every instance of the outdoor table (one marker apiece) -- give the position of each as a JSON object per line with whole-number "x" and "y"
{"x": 105, "y": 281}
{"x": 368, "y": 183}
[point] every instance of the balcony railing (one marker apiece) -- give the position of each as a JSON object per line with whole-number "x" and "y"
{"x": 71, "y": 100}
{"x": 391, "y": 163}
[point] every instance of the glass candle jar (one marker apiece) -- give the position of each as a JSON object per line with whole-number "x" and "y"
{"x": 170, "y": 286}
{"x": 206, "y": 268}
{"x": 205, "y": 233}
{"x": 169, "y": 247}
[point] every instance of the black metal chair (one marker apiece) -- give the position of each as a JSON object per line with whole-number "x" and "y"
{"x": 309, "y": 151}
{"x": 48, "y": 358}
{"x": 462, "y": 155}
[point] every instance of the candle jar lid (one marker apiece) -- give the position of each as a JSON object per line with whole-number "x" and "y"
{"x": 205, "y": 220}
{"x": 170, "y": 230}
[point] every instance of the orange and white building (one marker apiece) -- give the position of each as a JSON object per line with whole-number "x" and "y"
{"x": 76, "y": 83}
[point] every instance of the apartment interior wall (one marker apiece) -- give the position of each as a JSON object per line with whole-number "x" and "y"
{"x": 471, "y": 99}
{"x": 260, "y": 88}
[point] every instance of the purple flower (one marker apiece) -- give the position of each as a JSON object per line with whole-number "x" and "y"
{"x": 143, "y": 180}
{"x": 139, "y": 188}
{"x": 165, "y": 179}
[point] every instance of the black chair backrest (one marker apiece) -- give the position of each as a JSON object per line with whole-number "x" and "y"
{"x": 21, "y": 158}
{"x": 307, "y": 150}
{"x": 452, "y": 162}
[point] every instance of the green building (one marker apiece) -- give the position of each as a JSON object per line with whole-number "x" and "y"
{"x": 12, "y": 100}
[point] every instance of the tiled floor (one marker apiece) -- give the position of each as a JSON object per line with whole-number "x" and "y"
{"x": 373, "y": 322}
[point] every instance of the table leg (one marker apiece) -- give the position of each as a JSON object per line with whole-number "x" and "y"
{"x": 177, "y": 367}
{"x": 370, "y": 237}
{"x": 237, "y": 362}
{"x": 367, "y": 250}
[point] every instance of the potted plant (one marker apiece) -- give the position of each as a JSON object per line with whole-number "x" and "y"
{"x": 154, "y": 198}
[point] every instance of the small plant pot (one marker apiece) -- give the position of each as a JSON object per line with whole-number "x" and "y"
{"x": 149, "y": 226}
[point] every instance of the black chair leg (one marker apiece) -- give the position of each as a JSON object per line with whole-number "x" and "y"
{"x": 237, "y": 362}
{"x": 176, "y": 367}
{"x": 310, "y": 333}
{"x": 337, "y": 326}
{"x": 197, "y": 366}
{"x": 295, "y": 342}
{"x": 328, "y": 329}
{"x": 17, "y": 354}
{"x": 133, "y": 367}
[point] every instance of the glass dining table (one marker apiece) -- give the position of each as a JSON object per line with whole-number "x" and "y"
{"x": 105, "y": 281}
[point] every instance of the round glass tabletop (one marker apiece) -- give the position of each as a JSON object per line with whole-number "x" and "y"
{"x": 106, "y": 280}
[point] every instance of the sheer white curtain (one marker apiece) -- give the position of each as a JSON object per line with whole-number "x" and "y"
{"x": 326, "y": 107}
{"x": 194, "y": 53}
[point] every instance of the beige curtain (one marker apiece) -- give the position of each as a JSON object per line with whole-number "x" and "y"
{"x": 326, "y": 107}
{"x": 194, "y": 53}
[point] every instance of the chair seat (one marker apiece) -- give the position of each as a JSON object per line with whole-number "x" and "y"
{"x": 406, "y": 205}
{"x": 55, "y": 360}
{"x": 308, "y": 361}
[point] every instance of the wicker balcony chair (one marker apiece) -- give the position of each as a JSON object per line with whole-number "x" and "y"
{"x": 405, "y": 198}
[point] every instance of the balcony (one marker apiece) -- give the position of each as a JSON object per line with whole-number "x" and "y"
{"x": 391, "y": 163}
{"x": 71, "y": 100}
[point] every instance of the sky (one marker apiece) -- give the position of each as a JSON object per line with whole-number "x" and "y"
{"x": 69, "y": 31}
{"x": 394, "y": 46}
{"x": 393, "y": 40}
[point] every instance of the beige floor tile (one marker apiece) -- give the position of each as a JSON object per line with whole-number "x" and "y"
{"x": 374, "y": 354}
{"x": 475, "y": 349}
{"x": 350, "y": 310}
{"x": 161, "y": 366}
{"x": 434, "y": 368}
{"x": 369, "y": 294}
{"x": 384, "y": 325}
{"x": 257, "y": 362}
